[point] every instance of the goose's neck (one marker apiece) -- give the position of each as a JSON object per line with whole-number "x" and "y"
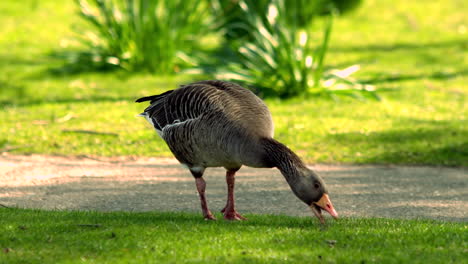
{"x": 280, "y": 156}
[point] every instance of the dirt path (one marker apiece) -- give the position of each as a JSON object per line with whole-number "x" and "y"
{"x": 162, "y": 184}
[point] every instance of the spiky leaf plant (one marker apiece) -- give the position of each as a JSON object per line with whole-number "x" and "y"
{"x": 153, "y": 35}
{"x": 283, "y": 59}
{"x": 298, "y": 12}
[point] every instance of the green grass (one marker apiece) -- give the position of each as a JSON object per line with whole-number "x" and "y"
{"x": 33, "y": 236}
{"x": 415, "y": 52}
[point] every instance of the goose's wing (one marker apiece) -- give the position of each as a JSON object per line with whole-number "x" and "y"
{"x": 235, "y": 103}
{"x": 186, "y": 118}
{"x": 187, "y": 103}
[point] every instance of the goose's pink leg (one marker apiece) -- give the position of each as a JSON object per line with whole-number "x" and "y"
{"x": 229, "y": 210}
{"x": 201, "y": 185}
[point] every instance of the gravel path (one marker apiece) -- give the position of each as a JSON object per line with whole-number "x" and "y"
{"x": 50, "y": 182}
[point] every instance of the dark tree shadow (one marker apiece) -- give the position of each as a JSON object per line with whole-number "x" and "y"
{"x": 441, "y": 76}
{"x": 400, "y": 46}
{"x": 437, "y": 142}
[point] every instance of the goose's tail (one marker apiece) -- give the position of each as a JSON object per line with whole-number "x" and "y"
{"x": 153, "y": 98}
{"x": 155, "y": 112}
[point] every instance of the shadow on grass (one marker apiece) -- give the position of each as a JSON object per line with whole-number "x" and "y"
{"x": 462, "y": 44}
{"x": 411, "y": 54}
{"x": 78, "y": 62}
{"x": 442, "y": 76}
{"x": 91, "y": 99}
{"x": 9, "y": 61}
{"x": 52, "y": 65}
{"x": 437, "y": 142}
{"x": 96, "y": 219}
{"x": 10, "y": 91}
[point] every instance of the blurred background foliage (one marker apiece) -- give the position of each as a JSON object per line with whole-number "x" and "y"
{"x": 278, "y": 54}
{"x": 297, "y": 13}
{"x": 158, "y": 36}
{"x": 268, "y": 45}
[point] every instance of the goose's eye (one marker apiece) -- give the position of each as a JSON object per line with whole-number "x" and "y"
{"x": 317, "y": 185}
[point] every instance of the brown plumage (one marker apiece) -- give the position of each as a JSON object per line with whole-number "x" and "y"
{"x": 221, "y": 124}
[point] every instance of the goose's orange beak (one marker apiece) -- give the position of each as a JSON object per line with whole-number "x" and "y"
{"x": 325, "y": 204}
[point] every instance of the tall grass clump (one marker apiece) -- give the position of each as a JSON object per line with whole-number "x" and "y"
{"x": 283, "y": 56}
{"x": 158, "y": 36}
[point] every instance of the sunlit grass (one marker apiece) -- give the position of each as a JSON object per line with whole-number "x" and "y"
{"x": 28, "y": 236}
{"x": 421, "y": 121}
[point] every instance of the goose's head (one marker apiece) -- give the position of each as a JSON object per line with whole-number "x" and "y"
{"x": 305, "y": 183}
{"x": 311, "y": 189}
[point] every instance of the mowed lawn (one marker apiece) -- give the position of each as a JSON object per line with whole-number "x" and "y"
{"x": 413, "y": 52}
{"x": 29, "y": 236}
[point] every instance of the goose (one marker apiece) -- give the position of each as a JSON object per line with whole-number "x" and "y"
{"x": 216, "y": 123}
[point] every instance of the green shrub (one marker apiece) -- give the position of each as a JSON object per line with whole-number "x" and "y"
{"x": 159, "y": 36}
{"x": 299, "y": 13}
{"x": 282, "y": 59}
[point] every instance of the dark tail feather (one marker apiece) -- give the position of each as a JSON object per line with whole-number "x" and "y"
{"x": 144, "y": 99}
{"x": 153, "y": 97}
